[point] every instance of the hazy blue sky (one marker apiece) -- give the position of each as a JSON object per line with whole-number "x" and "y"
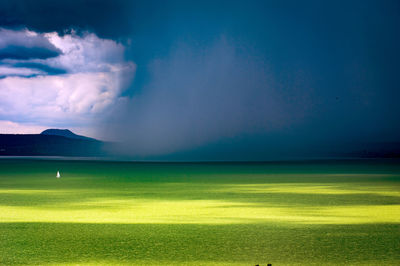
{"x": 207, "y": 79}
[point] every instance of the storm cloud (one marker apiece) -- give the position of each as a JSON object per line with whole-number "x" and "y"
{"x": 202, "y": 95}
{"x": 242, "y": 78}
{"x": 25, "y": 44}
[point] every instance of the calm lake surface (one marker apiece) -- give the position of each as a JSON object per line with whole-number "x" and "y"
{"x": 133, "y": 213}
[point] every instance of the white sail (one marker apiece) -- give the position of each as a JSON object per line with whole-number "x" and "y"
{"x": 58, "y": 174}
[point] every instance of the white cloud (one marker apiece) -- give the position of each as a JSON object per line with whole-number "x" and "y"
{"x": 66, "y": 97}
{"x": 96, "y": 75}
{"x": 88, "y": 53}
{"x": 9, "y": 127}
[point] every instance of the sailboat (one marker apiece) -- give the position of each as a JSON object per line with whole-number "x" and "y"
{"x": 58, "y": 174}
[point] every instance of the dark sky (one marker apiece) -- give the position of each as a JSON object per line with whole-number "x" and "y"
{"x": 241, "y": 79}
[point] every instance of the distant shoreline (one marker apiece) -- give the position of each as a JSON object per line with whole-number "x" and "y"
{"x": 268, "y": 161}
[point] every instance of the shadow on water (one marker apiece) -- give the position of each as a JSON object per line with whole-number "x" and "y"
{"x": 41, "y": 243}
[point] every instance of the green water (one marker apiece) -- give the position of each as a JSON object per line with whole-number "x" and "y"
{"x": 310, "y": 212}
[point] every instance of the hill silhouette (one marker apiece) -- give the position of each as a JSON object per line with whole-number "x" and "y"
{"x": 64, "y": 133}
{"x": 51, "y": 142}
